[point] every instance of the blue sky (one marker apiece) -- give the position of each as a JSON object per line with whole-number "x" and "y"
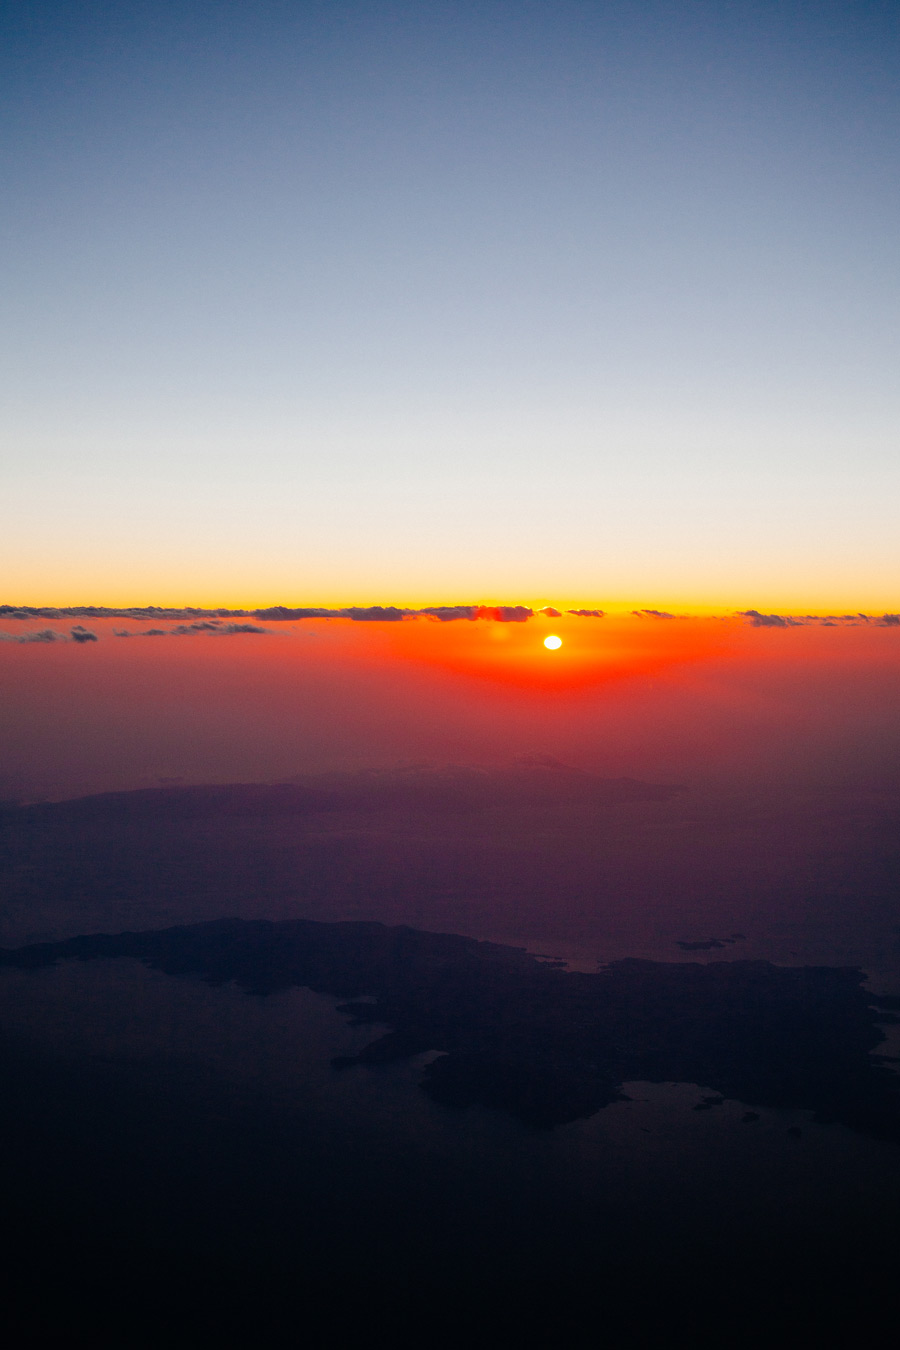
{"x": 372, "y": 301}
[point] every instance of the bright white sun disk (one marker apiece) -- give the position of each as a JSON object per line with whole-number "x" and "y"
{"x": 553, "y": 642}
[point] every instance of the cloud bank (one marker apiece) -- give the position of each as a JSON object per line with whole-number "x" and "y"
{"x": 757, "y": 620}
{"x": 201, "y": 620}
{"x": 211, "y": 626}
{"x": 192, "y": 620}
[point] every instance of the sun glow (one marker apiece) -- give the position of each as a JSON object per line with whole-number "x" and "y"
{"x": 552, "y": 642}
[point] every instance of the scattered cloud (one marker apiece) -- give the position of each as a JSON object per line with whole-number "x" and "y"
{"x": 447, "y": 613}
{"x": 375, "y": 614}
{"x": 652, "y": 614}
{"x": 766, "y": 620}
{"x": 81, "y": 634}
{"x": 211, "y": 626}
{"x": 41, "y": 635}
{"x": 587, "y": 613}
{"x": 141, "y": 632}
{"x": 361, "y": 613}
{"x": 857, "y": 620}
{"x": 284, "y": 614}
{"x": 550, "y": 612}
{"x": 505, "y": 613}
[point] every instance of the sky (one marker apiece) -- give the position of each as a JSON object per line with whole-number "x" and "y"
{"x": 350, "y": 350}
{"x": 719, "y": 704}
{"x": 386, "y": 303}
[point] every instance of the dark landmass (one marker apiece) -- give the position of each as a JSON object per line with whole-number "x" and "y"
{"x": 535, "y": 853}
{"x": 546, "y": 1045}
{"x": 502, "y": 852}
{"x": 529, "y": 781}
{"x": 707, "y": 1103}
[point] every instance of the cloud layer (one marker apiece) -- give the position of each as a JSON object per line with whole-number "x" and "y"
{"x": 758, "y": 620}
{"x": 191, "y": 620}
{"x": 201, "y": 620}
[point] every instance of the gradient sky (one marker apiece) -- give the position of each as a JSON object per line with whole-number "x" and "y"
{"x": 679, "y": 700}
{"x": 355, "y": 302}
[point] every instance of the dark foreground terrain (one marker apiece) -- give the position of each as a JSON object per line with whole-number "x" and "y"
{"x": 545, "y": 1044}
{"x": 451, "y": 1141}
{"x": 153, "y": 1201}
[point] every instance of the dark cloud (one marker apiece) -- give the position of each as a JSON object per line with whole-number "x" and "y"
{"x": 493, "y": 613}
{"x": 195, "y": 618}
{"x": 766, "y": 620}
{"x": 824, "y": 620}
{"x": 215, "y": 627}
{"x": 105, "y": 612}
{"x": 447, "y": 613}
{"x": 375, "y": 614}
{"x": 211, "y": 626}
{"x": 360, "y": 613}
{"x": 42, "y": 635}
{"x": 191, "y": 619}
{"x": 504, "y": 613}
{"x": 284, "y": 614}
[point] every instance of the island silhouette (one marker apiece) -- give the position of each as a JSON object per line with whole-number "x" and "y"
{"x": 547, "y": 1045}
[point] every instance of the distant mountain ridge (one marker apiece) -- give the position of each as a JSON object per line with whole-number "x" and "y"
{"x": 530, "y": 780}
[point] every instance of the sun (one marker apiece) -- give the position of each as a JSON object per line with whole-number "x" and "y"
{"x": 552, "y": 642}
